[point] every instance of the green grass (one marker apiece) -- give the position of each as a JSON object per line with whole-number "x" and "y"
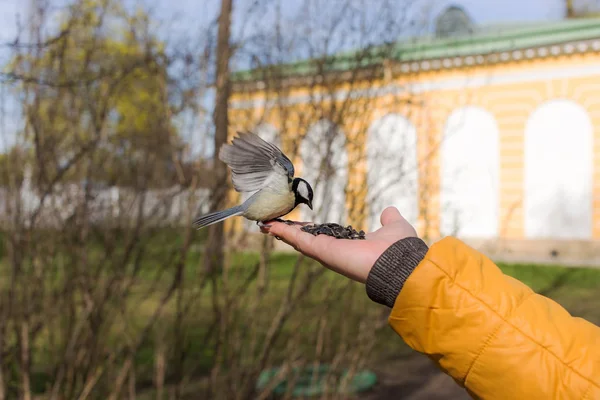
{"x": 546, "y": 277}
{"x": 575, "y": 288}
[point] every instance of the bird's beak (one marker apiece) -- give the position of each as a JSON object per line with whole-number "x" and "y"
{"x": 309, "y": 204}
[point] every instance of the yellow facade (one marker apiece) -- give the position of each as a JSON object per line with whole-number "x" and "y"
{"x": 510, "y": 90}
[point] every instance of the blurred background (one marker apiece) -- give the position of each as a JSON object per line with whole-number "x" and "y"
{"x": 476, "y": 119}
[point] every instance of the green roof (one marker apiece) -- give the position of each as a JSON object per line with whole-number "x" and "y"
{"x": 486, "y": 40}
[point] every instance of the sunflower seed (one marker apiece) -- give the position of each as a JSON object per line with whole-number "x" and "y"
{"x": 334, "y": 230}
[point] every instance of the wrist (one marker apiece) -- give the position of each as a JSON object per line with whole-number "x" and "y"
{"x": 392, "y": 269}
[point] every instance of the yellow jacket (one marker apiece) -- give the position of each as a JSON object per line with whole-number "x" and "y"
{"x": 491, "y": 333}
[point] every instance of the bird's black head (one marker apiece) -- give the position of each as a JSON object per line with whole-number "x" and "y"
{"x": 303, "y": 192}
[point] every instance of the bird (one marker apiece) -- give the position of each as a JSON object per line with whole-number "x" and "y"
{"x": 261, "y": 167}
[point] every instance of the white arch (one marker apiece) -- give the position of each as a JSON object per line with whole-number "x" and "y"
{"x": 558, "y": 172}
{"x": 470, "y": 170}
{"x": 392, "y": 168}
{"x": 269, "y": 133}
{"x": 325, "y": 167}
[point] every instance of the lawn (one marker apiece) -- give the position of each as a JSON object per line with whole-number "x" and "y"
{"x": 328, "y": 319}
{"x": 575, "y": 288}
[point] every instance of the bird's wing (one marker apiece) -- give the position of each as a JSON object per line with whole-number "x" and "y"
{"x": 255, "y": 163}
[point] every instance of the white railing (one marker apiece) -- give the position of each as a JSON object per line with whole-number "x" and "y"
{"x": 172, "y": 206}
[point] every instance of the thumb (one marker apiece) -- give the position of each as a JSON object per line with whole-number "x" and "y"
{"x": 389, "y": 215}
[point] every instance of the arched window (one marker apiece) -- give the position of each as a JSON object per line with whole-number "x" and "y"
{"x": 325, "y": 167}
{"x": 470, "y": 174}
{"x": 392, "y": 168}
{"x": 558, "y": 172}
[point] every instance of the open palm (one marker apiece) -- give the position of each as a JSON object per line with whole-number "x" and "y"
{"x": 351, "y": 258}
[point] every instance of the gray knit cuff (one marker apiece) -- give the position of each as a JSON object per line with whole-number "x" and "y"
{"x": 392, "y": 268}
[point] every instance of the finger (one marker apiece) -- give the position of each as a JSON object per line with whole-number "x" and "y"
{"x": 319, "y": 246}
{"x": 287, "y": 233}
{"x": 389, "y": 215}
{"x": 285, "y": 237}
{"x": 304, "y": 242}
{"x": 266, "y": 227}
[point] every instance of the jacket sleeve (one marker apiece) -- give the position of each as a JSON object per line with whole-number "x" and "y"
{"x": 491, "y": 333}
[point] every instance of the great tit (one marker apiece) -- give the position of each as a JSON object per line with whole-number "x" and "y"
{"x": 259, "y": 166}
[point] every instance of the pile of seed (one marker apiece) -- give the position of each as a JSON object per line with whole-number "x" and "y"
{"x": 335, "y": 230}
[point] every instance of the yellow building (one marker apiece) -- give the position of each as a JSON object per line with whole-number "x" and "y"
{"x": 493, "y": 136}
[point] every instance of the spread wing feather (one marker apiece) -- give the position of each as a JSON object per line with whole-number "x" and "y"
{"x": 254, "y": 162}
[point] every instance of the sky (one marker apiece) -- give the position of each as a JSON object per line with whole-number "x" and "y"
{"x": 483, "y": 11}
{"x": 189, "y": 14}
{"x": 185, "y": 16}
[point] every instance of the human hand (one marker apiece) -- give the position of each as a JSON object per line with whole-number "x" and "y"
{"x": 351, "y": 258}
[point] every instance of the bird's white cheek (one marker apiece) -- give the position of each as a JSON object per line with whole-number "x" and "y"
{"x": 303, "y": 191}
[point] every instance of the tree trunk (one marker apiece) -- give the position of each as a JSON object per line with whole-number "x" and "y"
{"x": 214, "y": 249}
{"x": 570, "y": 8}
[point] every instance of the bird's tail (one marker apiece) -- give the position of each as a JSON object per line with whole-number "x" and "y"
{"x": 217, "y": 216}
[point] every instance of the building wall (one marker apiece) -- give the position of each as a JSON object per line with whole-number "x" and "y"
{"x": 513, "y": 104}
